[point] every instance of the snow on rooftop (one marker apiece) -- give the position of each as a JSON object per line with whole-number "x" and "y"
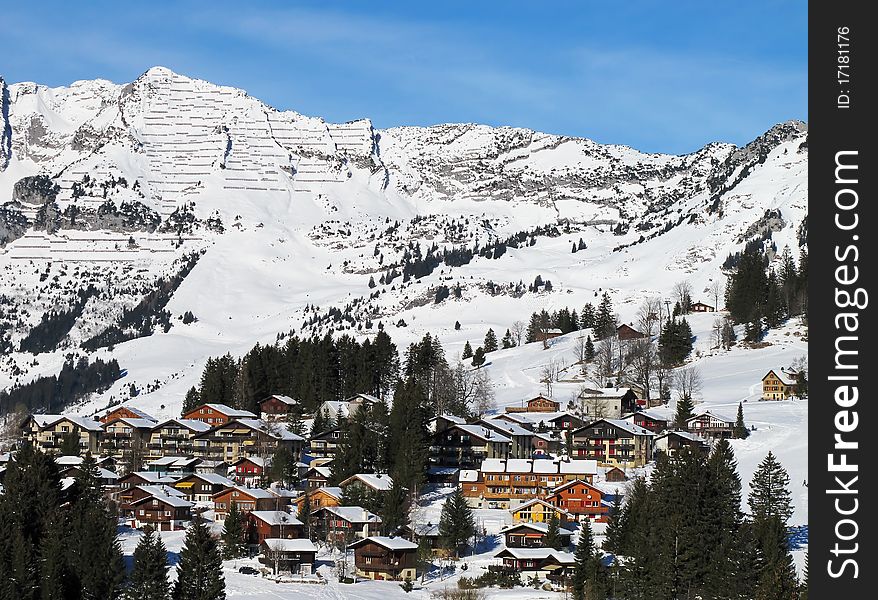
{"x": 353, "y": 514}
{"x": 377, "y": 481}
{"x": 231, "y": 412}
{"x": 275, "y": 517}
{"x": 290, "y": 545}
{"x": 391, "y": 543}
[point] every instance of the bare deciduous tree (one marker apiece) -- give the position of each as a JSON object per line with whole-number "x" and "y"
{"x": 687, "y": 382}
{"x": 579, "y": 351}
{"x": 605, "y": 360}
{"x": 519, "y": 328}
{"x": 716, "y": 289}
{"x": 649, "y": 316}
{"x": 549, "y": 375}
{"x": 682, "y": 290}
{"x": 717, "y": 333}
{"x": 643, "y": 356}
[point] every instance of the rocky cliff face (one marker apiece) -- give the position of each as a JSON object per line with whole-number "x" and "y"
{"x": 109, "y": 185}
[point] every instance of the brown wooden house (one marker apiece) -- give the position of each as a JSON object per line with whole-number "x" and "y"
{"x": 320, "y": 497}
{"x": 125, "y": 412}
{"x": 701, "y": 307}
{"x": 217, "y": 414}
{"x": 200, "y": 487}
{"x": 264, "y": 524}
{"x": 342, "y": 524}
{"x": 385, "y": 558}
{"x": 276, "y": 405}
{"x": 580, "y": 499}
{"x": 654, "y": 421}
{"x": 532, "y": 535}
{"x": 166, "y": 513}
{"x": 626, "y": 332}
{"x": 615, "y": 475}
{"x": 247, "y": 499}
{"x": 296, "y": 556}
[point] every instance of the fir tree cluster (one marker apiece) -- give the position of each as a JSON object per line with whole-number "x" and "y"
{"x": 684, "y": 535}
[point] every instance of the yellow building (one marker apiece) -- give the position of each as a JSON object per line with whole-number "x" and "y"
{"x": 776, "y": 387}
{"x": 538, "y": 511}
{"x": 47, "y": 432}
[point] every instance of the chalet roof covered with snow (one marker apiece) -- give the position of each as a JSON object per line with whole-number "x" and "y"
{"x": 655, "y": 414}
{"x": 539, "y": 465}
{"x": 212, "y": 478}
{"x": 136, "y": 411}
{"x": 228, "y": 411}
{"x": 289, "y": 545}
{"x": 190, "y": 424}
{"x": 174, "y": 501}
{"x": 508, "y": 428}
{"x": 86, "y": 423}
{"x": 686, "y": 435}
{"x": 450, "y": 419}
{"x": 391, "y": 543}
{"x": 280, "y": 398}
{"x": 623, "y": 425}
{"x": 534, "y": 418}
{"x": 377, "y": 481}
{"x": 137, "y": 423}
{"x": 483, "y": 433}
{"x": 275, "y": 517}
{"x": 710, "y": 413}
{"x": 564, "y": 558}
{"x": 352, "y": 514}
{"x": 330, "y": 490}
{"x": 782, "y": 375}
{"x": 538, "y": 527}
{"x": 152, "y": 476}
{"x": 541, "y": 502}
{"x": 256, "y": 493}
{"x": 161, "y": 490}
{"x": 274, "y": 430}
{"x": 322, "y": 471}
{"x": 173, "y": 461}
{"x": 468, "y": 475}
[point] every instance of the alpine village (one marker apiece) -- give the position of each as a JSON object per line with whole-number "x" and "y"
{"x": 329, "y": 451}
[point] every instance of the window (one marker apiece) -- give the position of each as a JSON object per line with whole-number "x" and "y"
{"x": 141, "y": 512}
{"x": 167, "y": 513}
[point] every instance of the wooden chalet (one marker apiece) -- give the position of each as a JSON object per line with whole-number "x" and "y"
{"x": 320, "y": 497}
{"x": 627, "y": 332}
{"x": 201, "y": 487}
{"x": 614, "y": 442}
{"x": 128, "y": 483}
{"x": 615, "y": 475}
{"x": 296, "y": 556}
{"x": 367, "y": 482}
{"x": 608, "y": 403}
{"x": 778, "y": 386}
{"x": 317, "y": 477}
{"x": 265, "y": 524}
{"x": 466, "y": 446}
{"x": 250, "y": 470}
{"x": 217, "y": 414}
{"x": 671, "y": 442}
{"x": 247, "y": 499}
{"x": 444, "y": 476}
{"x": 175, "y": 437}
{"x": 539, "y": 511}
{"x": 582, "y": 500}
{"x": 537, "y": 404}
{"x": 342, "y": 524}
{"x": 246, "y": 438}
{"x": 505, "y": 484}
{"x": 325, "y": 444}
{"x": 653, "y": 420}
{"x": 710, "y": 425}
{"x": 532, "y": 535}
{"x": 47, "y": 432}
{"x": 276, "y": 406}
{"x": 543, "y": 335}
{"x": 385, "y": 558}
{"x": 701, "y": 307}
{"x": 125, "y": 412}
{"x": 554, "y": 565}
{"x": 165, "y": 513}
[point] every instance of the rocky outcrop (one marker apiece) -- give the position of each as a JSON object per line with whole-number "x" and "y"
{"x": 13, "y": 223}
{"x": 35, "y": 190}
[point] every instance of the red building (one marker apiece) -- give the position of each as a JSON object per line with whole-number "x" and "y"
{"x": 276, "y": 405}
{"x": 277, "y": 524}
{"x": 626, "y": 332}
{"x": 580, "y": 499}
{"x": 217, "y": 414}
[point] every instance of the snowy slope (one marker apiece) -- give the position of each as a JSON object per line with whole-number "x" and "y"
{"x": 305, "y": 203}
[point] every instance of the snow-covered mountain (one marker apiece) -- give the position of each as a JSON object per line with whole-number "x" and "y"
{"x": 115, "y": 186}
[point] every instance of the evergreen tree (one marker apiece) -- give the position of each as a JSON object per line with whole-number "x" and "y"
{"x": 769, "y": 492}
{"x": 408, "y": 435}
{"x": 191, "y": 400}
{"x": 508, "y": 341}
{"x": 586, "y": 317}
{"x": 70, "y": 444}
{"x": 479, "y": 357}
{"x": 589, "y": 349}
{"x": 467, "y": 351}
{"x": 199, "y": 572}
{"x": 615, "y": 526}
{"x": 304, "y": 515}
{"x": 295, "y": 423}
{"x": 149, "y": 577}
{"x": 490, "y": 344}
{"x": 94, "y": 554}
{"x": 720, "y": 519}
{"x": 741, "y": 431}
{"x": 456, "y": 523}
{"x": 553, "y": 535}
{"x": 588, "y": 578}
{"x": 685, "y": 410}
{"x": 457, "y": 325}
{"x": 233, "y": 533}
{"x": 604, "y": 319}
{"x": 394, "y": 509}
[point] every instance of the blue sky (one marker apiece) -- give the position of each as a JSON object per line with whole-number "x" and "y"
{"x": 658, "y": 76}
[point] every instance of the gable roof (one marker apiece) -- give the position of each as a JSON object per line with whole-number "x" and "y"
{"x": 564, "y": 558}
{"x": 782, "y": 376}
{"x": 255, "y": 493}
{"x": 483, "y": 433}
{"x": 225, "y": 410}
{"x": 538, "y": 527}
{"x": 330, "y": 490}
{"x": 136, "y": 411}
{"x": 169, "y": 500}
{"x": 290, "y": 545}
{"x": 540, "y": 501}
{"x": 275, "y": 517}
{"x": 686, "y": 435}
{"x": 391, "y": 543}
{"x": 352, "y": 514}
{"x": 86, "y": 423}
{"x": 539, "y": 465}
{"x": 377, "y": 481}
{"x": 137, "y": 423}
{"x": 273, "y": 430}
{"x": 576, "y": 482}
{"x": 280, "y": 398}
{"x": 653, "y": 414}
{"x": 212, "y": 478}
{"x": 620, "y": 424}
{"x": 191, "y": 424}
{"x": 710, "y": 413}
